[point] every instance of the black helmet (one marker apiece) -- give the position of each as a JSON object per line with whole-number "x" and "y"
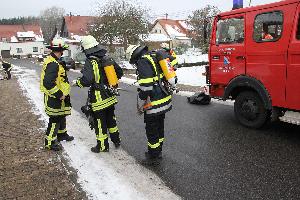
{"x": 133, "y": 52}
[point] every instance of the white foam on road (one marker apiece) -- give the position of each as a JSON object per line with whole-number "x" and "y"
{"x": 112, "y": 176}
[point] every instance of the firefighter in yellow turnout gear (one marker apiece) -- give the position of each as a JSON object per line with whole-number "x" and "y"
{"x": 56, "y": 88}
{"x": 151, "y": 87}
{"x": 96, "y": 75}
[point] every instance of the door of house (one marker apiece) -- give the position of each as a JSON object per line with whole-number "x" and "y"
{"x": 5, "y": 53}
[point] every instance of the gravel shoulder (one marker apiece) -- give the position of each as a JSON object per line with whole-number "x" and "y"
{"x": 27, "y": 170}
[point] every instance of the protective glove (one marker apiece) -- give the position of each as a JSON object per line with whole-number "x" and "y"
{"x": 74, "y": 83}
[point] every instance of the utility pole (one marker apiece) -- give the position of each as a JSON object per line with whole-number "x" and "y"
{"x": 167, "y": 16}
{"x": 250, "y": 2}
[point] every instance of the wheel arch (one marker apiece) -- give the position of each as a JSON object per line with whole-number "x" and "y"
{"x": 247, "y": 83}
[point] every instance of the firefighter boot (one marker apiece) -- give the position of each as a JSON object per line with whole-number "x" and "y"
{"x": 64, "y": 136}
{"x": 153, "y": 156}
{"x": 117, "y": 142}
{"x": 98, "y": 147}
{"x": 55, "y": 146}
{"x": 152, "y": 159}
{"x": 115, "y": 138}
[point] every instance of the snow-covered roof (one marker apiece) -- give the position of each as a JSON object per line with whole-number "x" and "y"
{"x": 155, "y": 37}
{"x": 185, "y": 25}
{"x": 182, "y": 38}
{"x": 28, "y": 34}
{"x": 174, "y": 28}
{"x": 14, "y": 39}
{"x": 39, "y": 38}
{"x": 174, "y": 31}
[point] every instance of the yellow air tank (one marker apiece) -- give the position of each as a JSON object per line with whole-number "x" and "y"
{"x": 111, "y": 75}
{"x": 167, "y": 69}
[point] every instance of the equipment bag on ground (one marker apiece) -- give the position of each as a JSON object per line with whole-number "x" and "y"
{"x": 199, "y": 98}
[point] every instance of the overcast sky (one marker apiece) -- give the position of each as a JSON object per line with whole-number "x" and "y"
{"x": 175, "y": 8}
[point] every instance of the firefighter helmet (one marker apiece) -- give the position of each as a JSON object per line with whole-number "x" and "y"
{"x": 90, "y": 45}
{"x": 133, "y": 52}
{"x": 57, "y": 44}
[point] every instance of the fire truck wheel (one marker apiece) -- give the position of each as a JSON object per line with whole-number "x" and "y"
{"x": 250, "y": 111}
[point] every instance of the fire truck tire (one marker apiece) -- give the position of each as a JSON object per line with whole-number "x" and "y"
{"x": 250, "y": 111}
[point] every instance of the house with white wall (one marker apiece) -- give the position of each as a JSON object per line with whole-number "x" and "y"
{"x": 176, "y": 30}
{"x": 21, "y": 40}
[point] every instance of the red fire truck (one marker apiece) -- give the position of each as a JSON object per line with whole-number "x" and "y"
{"x": 254, "y": 59}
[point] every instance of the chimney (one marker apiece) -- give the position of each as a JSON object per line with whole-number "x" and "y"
{"x": 70, "y": 17}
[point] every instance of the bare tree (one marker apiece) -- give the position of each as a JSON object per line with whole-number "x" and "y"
{"x": 201, "y": 22}
{"x": 119, "y": 21}
{"x": 51, "y": 21}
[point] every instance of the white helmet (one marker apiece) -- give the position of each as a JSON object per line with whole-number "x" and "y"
{"x": 130, "y": 50}
{"x": 57, "y": 44}
{"x": 88, "y": 42}
{"x": 165, "y": 45}
{"x": 133, "y": 51}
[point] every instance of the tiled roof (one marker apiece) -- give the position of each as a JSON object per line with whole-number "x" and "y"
{"x": 78, "y": 25}
{"x": 8, "y": 31}
{"x": 173, "y": 27}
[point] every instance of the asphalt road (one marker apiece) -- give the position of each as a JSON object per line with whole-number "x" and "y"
{"x": 207, "y": 154}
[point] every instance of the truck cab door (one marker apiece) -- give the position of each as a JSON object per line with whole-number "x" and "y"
{"x": 293, "y": 68}
{"x": 227, "y": 52}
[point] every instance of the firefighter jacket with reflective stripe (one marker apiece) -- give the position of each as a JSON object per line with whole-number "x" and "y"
{"x": 93, "y": 76}
{"x": 150, "y": 79}
{"x": 54, "y": 84}
{"x": 6, "y": 66}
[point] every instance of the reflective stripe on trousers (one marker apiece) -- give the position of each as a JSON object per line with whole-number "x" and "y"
{"x": 100, "y": 136}
{"x": 51, "y": 136}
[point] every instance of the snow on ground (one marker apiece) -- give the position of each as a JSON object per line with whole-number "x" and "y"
{"x": 192, "y": 58}
{"x": 184, "y": 58}
{"x": 126, "y": 65}
{"x": 113, "y": 175}
{"x": 187, "y": 76}
{"x": 191, "y": 76}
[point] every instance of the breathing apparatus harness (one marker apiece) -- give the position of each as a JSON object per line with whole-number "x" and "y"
{"x": 161, "y": 82}
{"x": 103, "y": 87}
{"x": 164, "y": 85}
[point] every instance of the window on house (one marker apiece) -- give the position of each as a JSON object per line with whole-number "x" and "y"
{"x": 35, "y": 49}
{"x": 230, "y": 31}
{"x": 268, "y": 26}
{"x": 4, "y": 40}
{"x": 19, "y": 50}
{"x": 159, "y": 31}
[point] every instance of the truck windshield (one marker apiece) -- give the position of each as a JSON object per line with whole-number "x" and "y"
{"x": 230, "y": 31}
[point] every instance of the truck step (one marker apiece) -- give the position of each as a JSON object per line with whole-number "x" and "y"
{"x": 291, "y": 117}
